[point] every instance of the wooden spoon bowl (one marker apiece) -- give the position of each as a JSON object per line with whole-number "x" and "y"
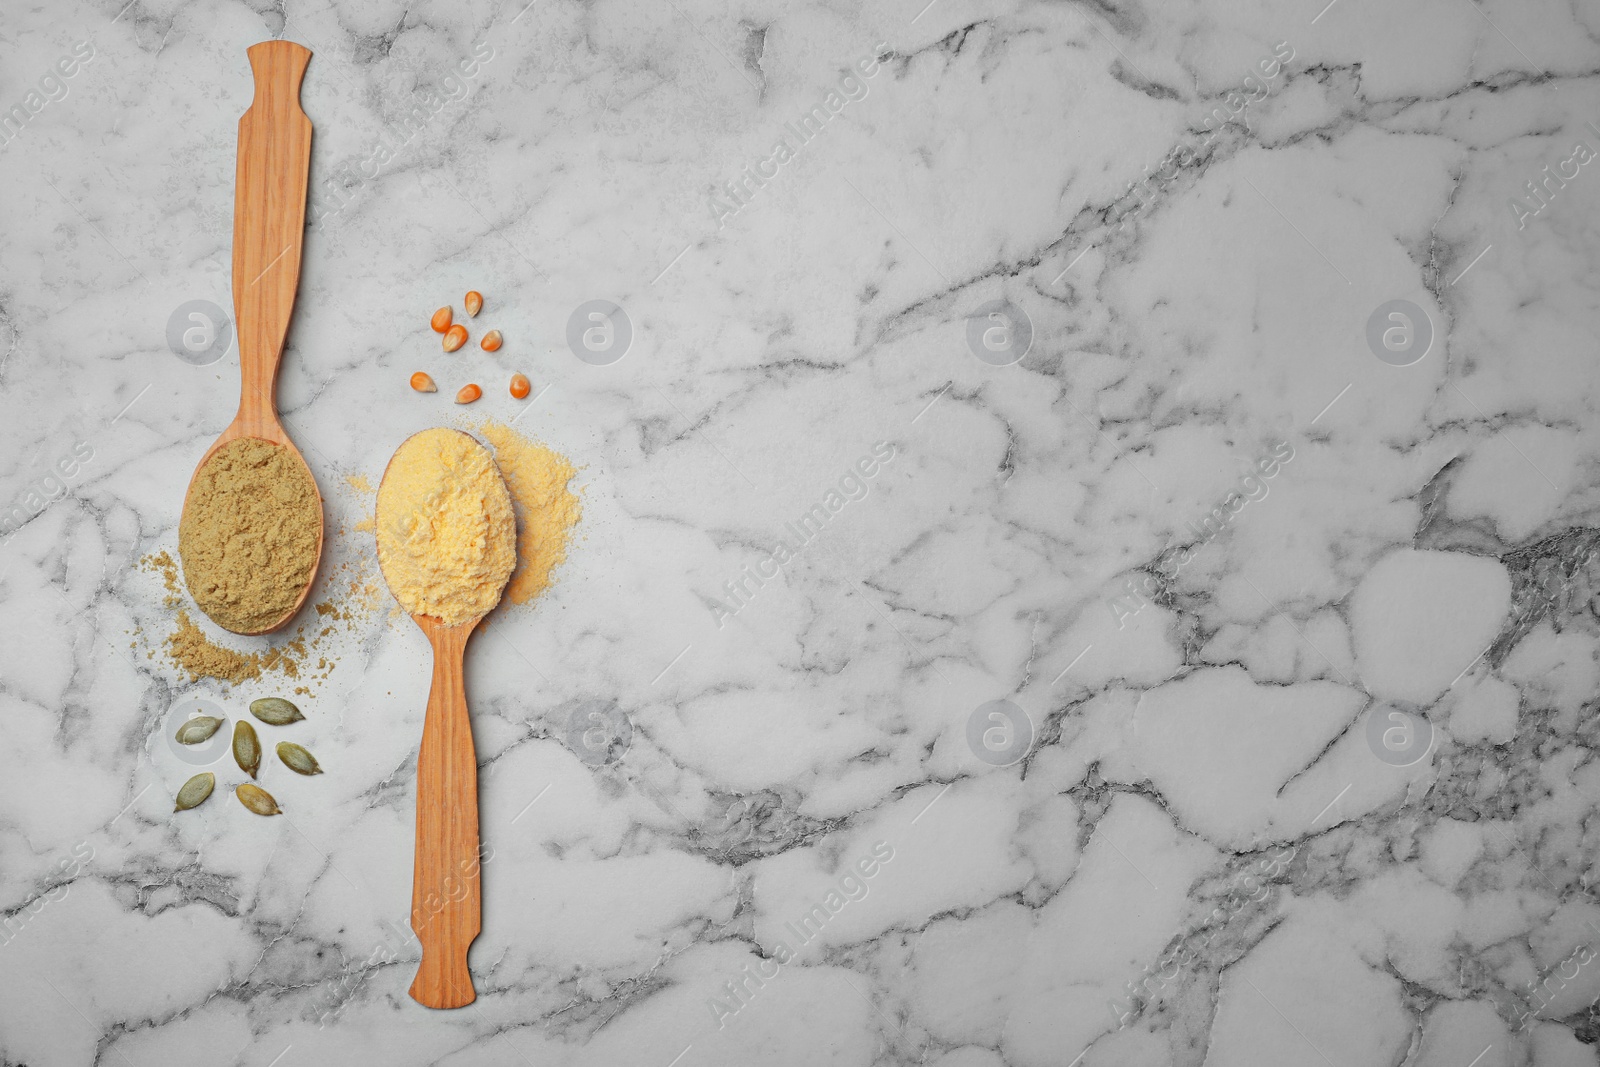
{"x": 269, "y": 212}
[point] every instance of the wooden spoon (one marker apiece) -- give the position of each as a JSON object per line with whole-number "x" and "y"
{"x": 269, "y": 218}
{"x": 446, "y": 905}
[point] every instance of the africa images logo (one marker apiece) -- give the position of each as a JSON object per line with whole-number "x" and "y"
{"x": 849, "y": 886}
{"x": 853, "y": 485}
{"x": 850, "y": 88}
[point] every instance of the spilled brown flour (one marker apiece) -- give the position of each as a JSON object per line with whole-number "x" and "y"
{"x": 197, "y": 654}
{"x": 163, "y": 564}
{"x": 353, "y": 599}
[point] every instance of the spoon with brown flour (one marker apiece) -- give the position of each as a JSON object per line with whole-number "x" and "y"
{"x": 251, "y": 533}
{"x": 447, "y": 544}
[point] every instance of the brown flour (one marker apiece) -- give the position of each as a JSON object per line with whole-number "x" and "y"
{"x": 195, "y": 653}
{"x": 248, "y": 538}
{"x": 163, "y": 564}
{"x": 355, "y": 597}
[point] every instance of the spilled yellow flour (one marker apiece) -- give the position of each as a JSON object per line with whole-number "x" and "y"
{"x": 546, "y": 509}
{"x": 359, "y": 483}
{"x": 446, "y": 532}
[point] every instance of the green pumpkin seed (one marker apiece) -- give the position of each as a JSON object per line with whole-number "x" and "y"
{"x": 195, "y": 791}
{"x": 297, "y": 759}
{"x": 275, "y": 711}
{"x": 257, "y": 799}
{"x": 198, "y": 729}
{"x": 246, "y": 748}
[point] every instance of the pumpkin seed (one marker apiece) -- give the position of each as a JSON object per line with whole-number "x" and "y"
{"x": 257, "y": 799}
{"x": 246, "y": 748}
{"x": 275, "y": 711}
{"x": 297, "y": 759}
{"x": 195, "y": 791}
{"x": 198, "y": 729}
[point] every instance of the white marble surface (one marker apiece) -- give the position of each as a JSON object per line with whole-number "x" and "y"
{"x": 1202, "y": 859}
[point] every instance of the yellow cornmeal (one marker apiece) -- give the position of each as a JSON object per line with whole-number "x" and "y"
{"x": 546, "y": 509}
{"x": 359, "y": 483}
{"x": 446, "y": 533}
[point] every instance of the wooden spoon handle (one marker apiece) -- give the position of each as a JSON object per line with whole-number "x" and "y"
{"x": 446, "y": 909}
{"x": 269, "y": 218}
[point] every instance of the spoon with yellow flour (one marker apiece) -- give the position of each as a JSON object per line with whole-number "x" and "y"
{"x": 447, "y": 543}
